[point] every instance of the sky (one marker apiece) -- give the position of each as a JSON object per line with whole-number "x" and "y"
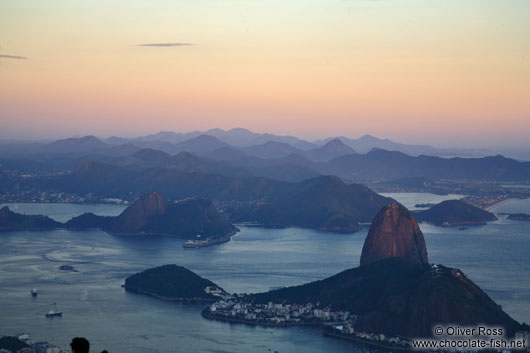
{"x": 445, "y": 72}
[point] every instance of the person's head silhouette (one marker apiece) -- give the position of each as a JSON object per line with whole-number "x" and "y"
{"x": 80, "y": 345}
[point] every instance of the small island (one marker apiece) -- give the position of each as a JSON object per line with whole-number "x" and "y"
{"x": 453, "y": 213}
{"x": 174, "y": 283}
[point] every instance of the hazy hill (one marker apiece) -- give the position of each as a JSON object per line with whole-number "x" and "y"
{"x": 367, "y": 142}
{"x": 200, "y": 145}
{"x": 188, "y": 162}
{"x": 455, "y": 213}
{"x": 169, "y": 136}
{"x": 151, "y": 155}
{"x": 75, "y": 145}
{"x": 324, "y": 203}
{"x": 226, "y": 161}
{"x": 91, "y": 176}
{"x": 240, "y": 137}
{"x": 332, "y": 149}
{"x": 143, "y": 158}
{"x": 271, "y": 149}
{"x": 125, "y": 149}
{"x": 226, "y": 153}
{"x": 292, "y": 168}
{"x": 392, "y": 165}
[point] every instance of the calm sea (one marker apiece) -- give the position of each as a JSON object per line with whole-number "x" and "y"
{"x": 495, "y": 256}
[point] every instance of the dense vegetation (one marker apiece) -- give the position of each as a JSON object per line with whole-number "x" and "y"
{"x": 170, "y": 282}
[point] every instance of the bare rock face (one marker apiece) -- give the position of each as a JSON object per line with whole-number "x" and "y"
{"x": 135, "y": 217}
{"x": 394, "y": 233}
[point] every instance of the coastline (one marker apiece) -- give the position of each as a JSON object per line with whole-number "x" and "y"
{"x": 168, "y": 299}
{"x": 205, "y": 315}
{"x": 325, "y": 332}
{"x": 370, "y": 343}
{"x": 505, "y": 201}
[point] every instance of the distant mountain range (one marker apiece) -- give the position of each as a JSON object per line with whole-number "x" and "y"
{"x": 367, "y": 143}
{"x": 283, "y": 162}
{"x": 285, "y": 158}
{"x": 201, "y": 142}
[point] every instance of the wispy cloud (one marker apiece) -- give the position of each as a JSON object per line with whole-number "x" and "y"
{"x": 164, "y": 44}
{"x": 13, "y": 57}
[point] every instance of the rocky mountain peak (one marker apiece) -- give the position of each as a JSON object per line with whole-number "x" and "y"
{"x": 394, "y": 233}
{"x": 135, "y": 217}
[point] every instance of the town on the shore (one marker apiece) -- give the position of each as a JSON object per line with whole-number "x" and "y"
{"x": 234, "y": 308}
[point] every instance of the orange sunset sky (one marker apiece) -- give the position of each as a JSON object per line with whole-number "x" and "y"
{"x": 440, "y": 72}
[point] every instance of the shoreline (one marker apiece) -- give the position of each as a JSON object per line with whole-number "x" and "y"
{"x": 316, "y": 325}
{"x": 256, "y": 323}
{"x": 189, "y": 301}
{"x": 496, "y": 204}
{"x": 370, "y": 343}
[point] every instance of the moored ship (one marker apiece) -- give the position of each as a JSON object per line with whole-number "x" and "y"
{"x": 53, "y": 312}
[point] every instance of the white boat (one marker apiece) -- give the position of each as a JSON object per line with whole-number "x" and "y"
{"x": 54, "y": 312}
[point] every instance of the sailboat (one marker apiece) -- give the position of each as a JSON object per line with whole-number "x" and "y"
{"x": 53, "y": 312}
